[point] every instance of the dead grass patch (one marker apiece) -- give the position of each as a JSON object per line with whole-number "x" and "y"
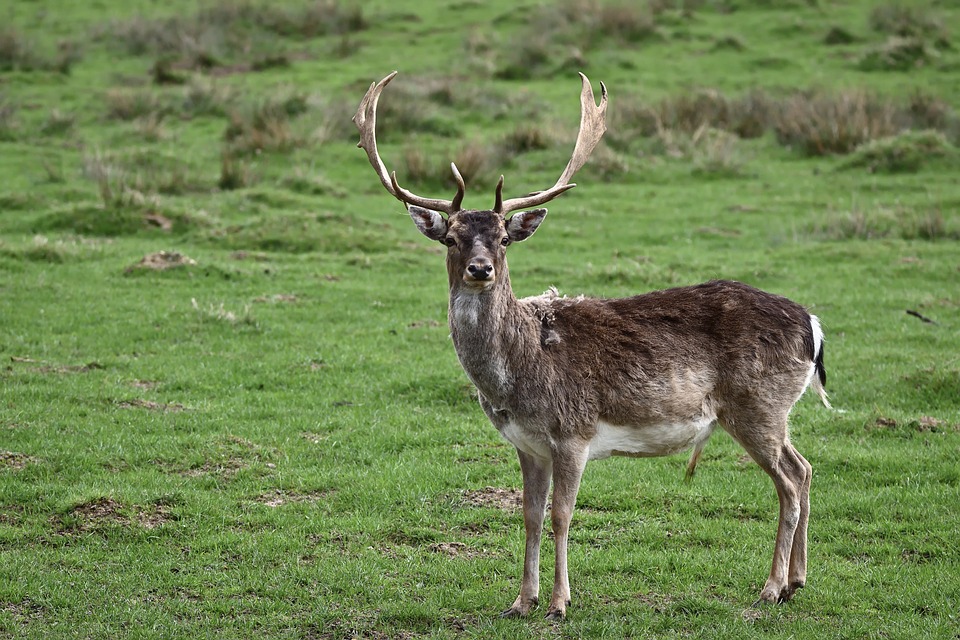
{"x": 57, "y": 368}
{"x": 150, "y": 405}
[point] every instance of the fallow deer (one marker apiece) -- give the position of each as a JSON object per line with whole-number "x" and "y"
{"x": 568, "y": 380}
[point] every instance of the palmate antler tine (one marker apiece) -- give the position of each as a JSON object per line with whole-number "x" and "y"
{"x": 366, "y": 121}
{"x": 592, "y": 127}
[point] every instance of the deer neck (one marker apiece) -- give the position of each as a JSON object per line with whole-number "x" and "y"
{"x": 491, "y": 334}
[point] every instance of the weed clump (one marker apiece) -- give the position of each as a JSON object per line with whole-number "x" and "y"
{"x": 905, "y": 152}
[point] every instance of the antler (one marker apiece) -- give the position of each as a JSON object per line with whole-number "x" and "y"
{"x": 366, "y": 121}
{"x": 592, "y": 127}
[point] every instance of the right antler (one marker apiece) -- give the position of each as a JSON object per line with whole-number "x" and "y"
{"x": 366, "y": 121}
{"x": 592, "y": 127}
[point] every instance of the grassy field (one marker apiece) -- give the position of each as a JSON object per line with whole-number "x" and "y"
{"x": 264, "y": 431}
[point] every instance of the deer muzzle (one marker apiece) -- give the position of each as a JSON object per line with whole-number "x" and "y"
{"x": 479, "y": 271}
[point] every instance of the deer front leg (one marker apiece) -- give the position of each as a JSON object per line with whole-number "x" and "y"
{"x": 536, "y": 486}
{"x": 567, "y": 470}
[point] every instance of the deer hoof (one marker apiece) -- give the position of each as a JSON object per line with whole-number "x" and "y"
{"x": 556, "y": 615}
{"x": 769, "y": 595}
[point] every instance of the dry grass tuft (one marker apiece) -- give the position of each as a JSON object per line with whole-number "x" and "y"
{"x": 820, "y": 123}
{"x": 9, "y": 124}
{"x": 130, "y": 104}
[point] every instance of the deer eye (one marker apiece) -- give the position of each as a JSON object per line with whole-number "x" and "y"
{"x": 449, "y": 241}
{"x": 505, "y": 241}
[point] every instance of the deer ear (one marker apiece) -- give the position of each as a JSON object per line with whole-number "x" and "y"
{"x": 430, "y": 223}
{"x": 521, "y": 225}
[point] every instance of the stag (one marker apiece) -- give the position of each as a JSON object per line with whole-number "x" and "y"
{"x": 569, "y": 380}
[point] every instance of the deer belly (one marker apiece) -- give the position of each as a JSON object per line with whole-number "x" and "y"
{"x": 524, "y": 440}
{"x": 648, "y": 441}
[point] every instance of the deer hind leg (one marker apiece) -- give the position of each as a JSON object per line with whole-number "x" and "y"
{"x": 791, "y": 475}
{"x": 798, "y": 555}
{"x": 768, "y": 444}
{"x": 536, "y": 486}
{"x": 567, "y": 470}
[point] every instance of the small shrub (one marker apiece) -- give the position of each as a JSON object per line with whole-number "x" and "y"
{"x": 903, "y": 153}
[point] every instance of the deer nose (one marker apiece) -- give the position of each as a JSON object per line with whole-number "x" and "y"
{"x": 480, "y": 269}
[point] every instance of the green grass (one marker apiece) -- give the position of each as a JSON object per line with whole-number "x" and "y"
{"x": 276, "y": 440}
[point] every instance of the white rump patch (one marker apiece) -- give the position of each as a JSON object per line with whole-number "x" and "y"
{"x": 654, "y": 440}
{"x": 817, "y": 335}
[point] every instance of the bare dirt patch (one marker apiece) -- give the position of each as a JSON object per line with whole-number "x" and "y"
{"x": 161, "y": 261}
{"x": 104, "y": 512}
{"x": 456, "y": 550}
{"x": 495, "y": 497}
{"x": 23, "y": 612}
{"x": 14, "y": 460}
